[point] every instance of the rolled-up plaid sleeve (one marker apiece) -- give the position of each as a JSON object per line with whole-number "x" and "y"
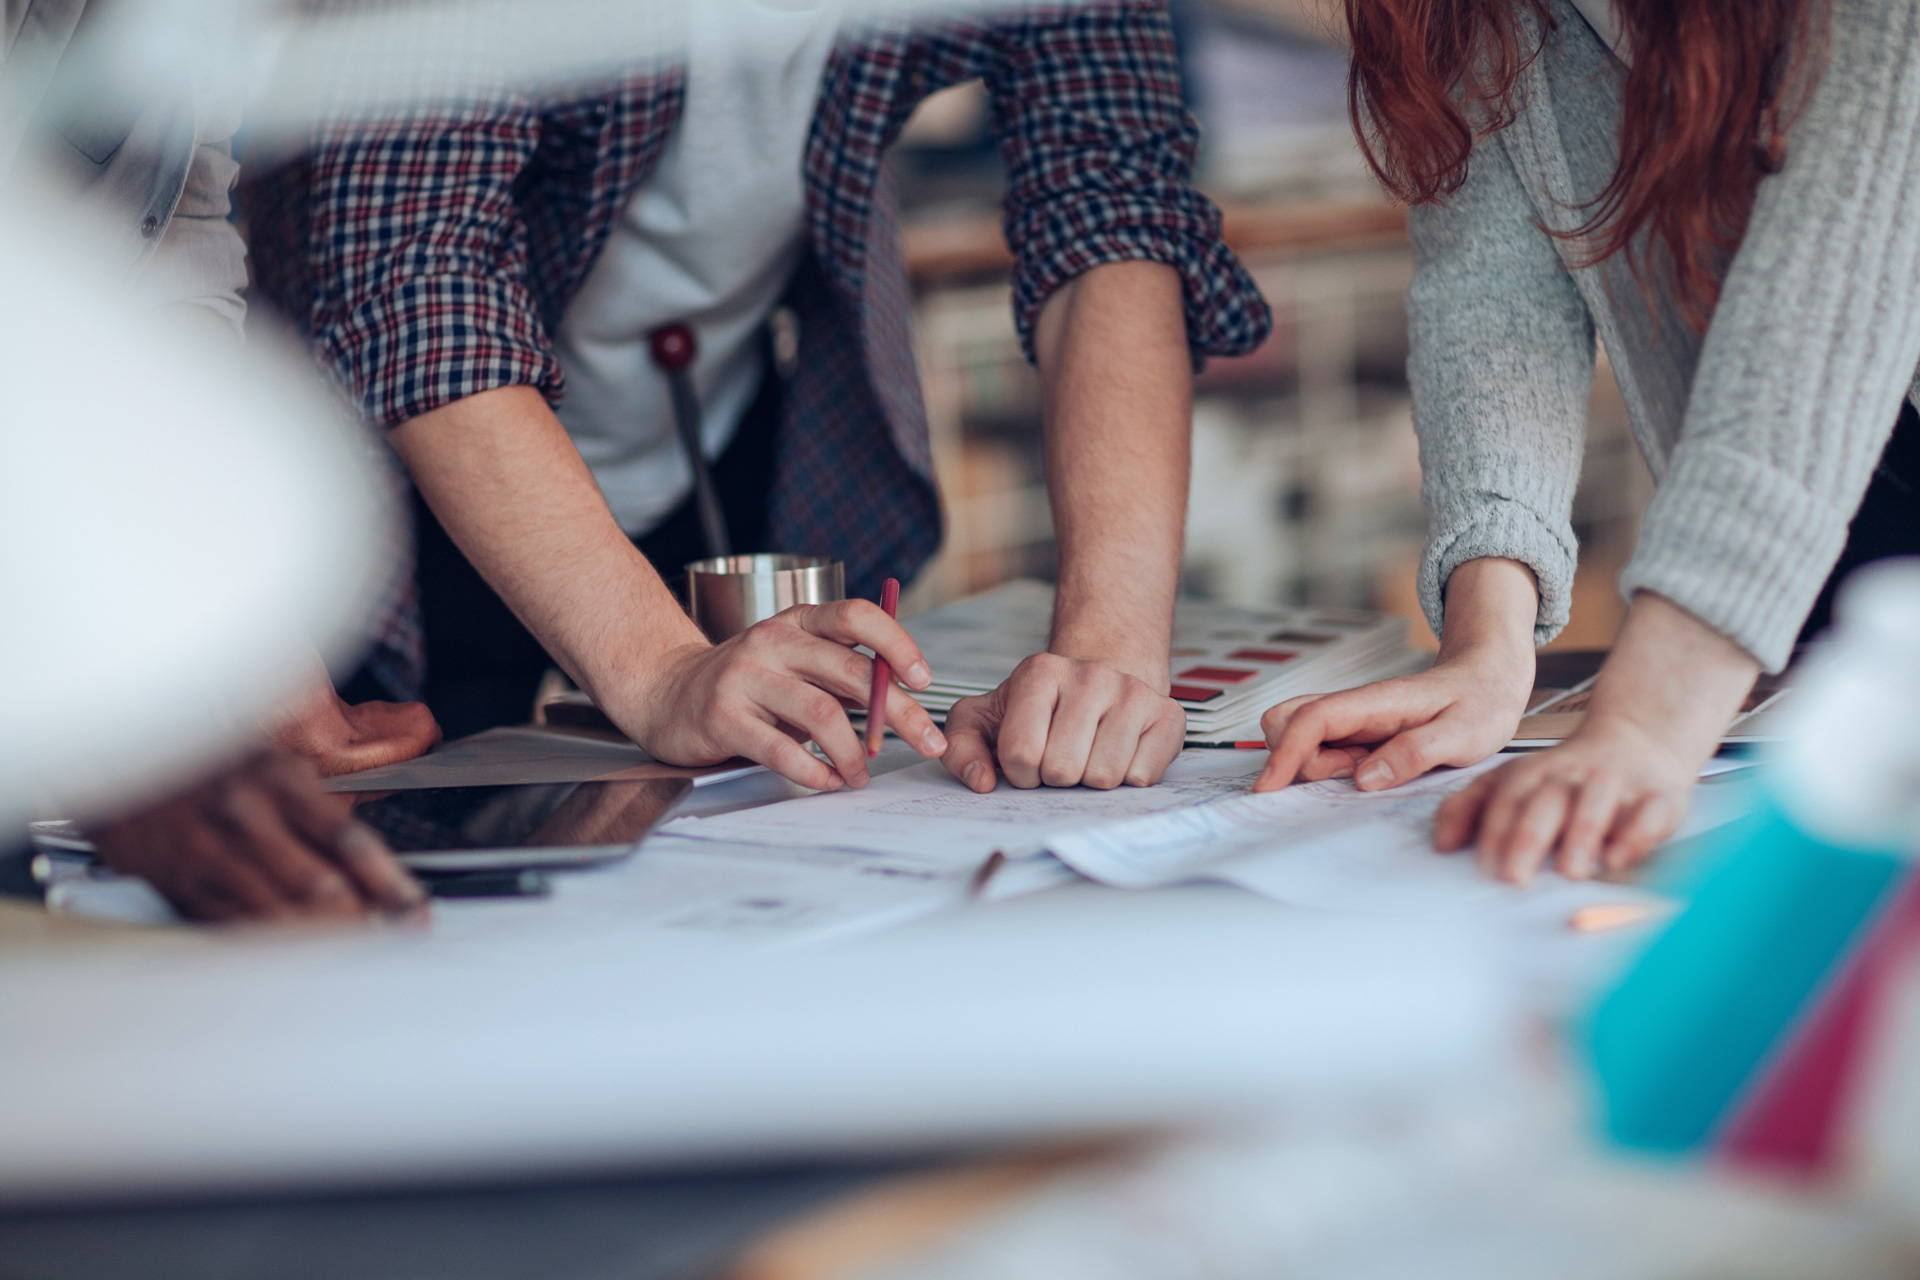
{"x": 1099, "y": 150}
{"x": 418, "y": 254}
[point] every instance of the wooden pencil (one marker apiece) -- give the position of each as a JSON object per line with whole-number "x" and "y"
{"x": 882, "y": 676}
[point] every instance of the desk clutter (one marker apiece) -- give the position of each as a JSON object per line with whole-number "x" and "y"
{"x": 1230, "y": 663}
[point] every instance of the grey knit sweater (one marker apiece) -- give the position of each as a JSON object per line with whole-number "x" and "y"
{"x": 1763, "y": 436}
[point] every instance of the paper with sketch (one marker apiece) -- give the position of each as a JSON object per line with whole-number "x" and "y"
{"x": 1317, "y": 844}
{"x": 924, "y": 813}
{"x": 527, "y": 754}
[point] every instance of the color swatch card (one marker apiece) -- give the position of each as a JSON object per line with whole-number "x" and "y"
{"x": 1230, "y": 663}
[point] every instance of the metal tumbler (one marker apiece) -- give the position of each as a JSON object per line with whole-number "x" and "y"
{"x": 728, "y": 594}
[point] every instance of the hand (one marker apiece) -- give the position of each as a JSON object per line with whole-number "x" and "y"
{"x": 1618, "y": 787}
{"x": 1601, "y": 800}
{"x": 261, "y": 841}
{"x": 345, "y": 738}
{"x": 1457, "y": 713}
{"x": 1065, "y": 722}
{"x": 777, "y": 685}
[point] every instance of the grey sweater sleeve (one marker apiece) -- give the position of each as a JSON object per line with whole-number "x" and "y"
{"x": 1809, "y": 353}
{"x": 1501, "y": 366}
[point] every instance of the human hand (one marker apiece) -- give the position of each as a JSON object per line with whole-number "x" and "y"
{"x": 340, "y": 737}
{"x": 261, "y": 841}
{"x": 1601, "y": 800}
{"x": 779, "y": 684}
{"x": 1458, "y": 712}
{"x": 1064, "y": 722}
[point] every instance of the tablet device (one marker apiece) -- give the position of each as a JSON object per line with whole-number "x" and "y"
{"x": 549, "y": 826}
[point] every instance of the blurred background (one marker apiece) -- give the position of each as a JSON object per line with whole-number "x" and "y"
{"x": 1306, "y": 475}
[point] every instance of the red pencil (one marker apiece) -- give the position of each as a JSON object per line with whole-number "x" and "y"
{"x": 882, "y": 676}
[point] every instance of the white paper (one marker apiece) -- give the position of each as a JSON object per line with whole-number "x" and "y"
{"x": 925, "y": 814}
{"x": 1329, "y": 846}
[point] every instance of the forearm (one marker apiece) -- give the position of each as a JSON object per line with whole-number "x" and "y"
{"x": 1112, "y": 352}
{"x": 511, "y": 490}
{"x": 1491, "y": 604}
{"x": 1673, "y": 677}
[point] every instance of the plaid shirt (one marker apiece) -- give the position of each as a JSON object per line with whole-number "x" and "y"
{"x": 430, "y": 258}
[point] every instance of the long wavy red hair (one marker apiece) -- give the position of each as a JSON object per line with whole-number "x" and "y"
{"x": 1712, "y": 88}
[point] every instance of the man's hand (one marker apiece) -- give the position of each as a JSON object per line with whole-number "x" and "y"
{"x": 261, "y": 841}
{"x": 777, "y": 685}
{"x": 345, "y": 738}
{"x": 1062, "y": 722}
{"x": 1111, "y": 347}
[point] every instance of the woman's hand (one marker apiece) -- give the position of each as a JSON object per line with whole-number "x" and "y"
{"x": 1601, "y": 800}
{"x": 1459, "y": 712}
{"x": 777, "y": 685}
{"x": 1617, "y": 788}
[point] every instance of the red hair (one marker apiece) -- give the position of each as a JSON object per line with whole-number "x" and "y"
{"x": 1711, "y": 90}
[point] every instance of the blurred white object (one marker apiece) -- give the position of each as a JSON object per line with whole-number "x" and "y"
{"x": 374, "y": 1059}
{"x": 1849, "y": 769}
{"x": 178, "y": 517}
{"x": 1489, "y": 1187}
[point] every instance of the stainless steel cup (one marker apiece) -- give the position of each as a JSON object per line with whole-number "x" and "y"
{"x": 728, "y": 594}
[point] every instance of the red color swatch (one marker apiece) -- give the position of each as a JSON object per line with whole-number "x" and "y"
{"x": 1264, "y": 655}
{"x": 1194, "y": 693}
{"x": 1218, "y": 675}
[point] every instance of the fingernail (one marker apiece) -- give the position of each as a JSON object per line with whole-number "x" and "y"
{"x": 918, "y": 675}
{"x": 835, "y": 783}
{"x": 1579, "y": 865}
{"x": 357, "y": 839}
{"x": 934, "y": 743}
{"x": 972, "y": 775}
{"x": 1344, "y": 771}
{"x": 1374, "y": 773}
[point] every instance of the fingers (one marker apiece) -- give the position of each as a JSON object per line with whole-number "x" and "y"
{"x": 304, "y": 879}
{"x": 1535, "y": 831}
{"x": 1458, "y": 817}
{"x": 1587, "y": 826}
{"x": 765, "y": 743}
{"x": 1164, "y": 739}
{"x": 326, "y": 825}
{"x": 972, "y": 728}
{"x": 821, "y": 717}
{"x": 1644, "y": 827}
{"x": 1406, "y": 756}
{"x": 911, "y": 723}
{"x": 856, "y": 622}
{"x": 1029, "y": 699}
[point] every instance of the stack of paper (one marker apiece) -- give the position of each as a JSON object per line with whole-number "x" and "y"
{"x": 1230, "y": 663}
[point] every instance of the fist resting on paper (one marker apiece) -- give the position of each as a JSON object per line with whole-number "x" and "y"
{"x": 261, "y": 841}
{"x": 1065, "y": 722}
{"x": 777, "y": 685}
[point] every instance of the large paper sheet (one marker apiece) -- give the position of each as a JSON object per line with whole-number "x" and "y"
{"x": 924, "y": 814}
{"x": 1327, "y": 845}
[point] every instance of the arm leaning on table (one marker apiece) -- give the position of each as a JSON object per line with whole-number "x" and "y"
{"x": 1121, "y": 282}
{"x": 1799, "y": 379}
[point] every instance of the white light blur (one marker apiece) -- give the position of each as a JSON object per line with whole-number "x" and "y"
{"x": 180, "y": 522}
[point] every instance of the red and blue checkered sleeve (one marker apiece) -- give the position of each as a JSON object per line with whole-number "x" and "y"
{"x": 418, "y": 256}
{"x": 1099, "y": 149}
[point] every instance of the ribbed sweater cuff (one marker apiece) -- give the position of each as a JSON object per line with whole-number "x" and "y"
{"x": 1511, "y": 530}
{"x": 1739, "y": 545}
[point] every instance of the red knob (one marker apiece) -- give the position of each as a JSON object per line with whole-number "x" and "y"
{"x": 673, "y": 346}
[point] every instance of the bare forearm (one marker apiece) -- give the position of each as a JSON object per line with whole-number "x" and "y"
{"x": 1491, "y": 605}
{"x": 511, "y": 490}
{"x": 1674, "y": 677}
{"x": 1112, "y": 350}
